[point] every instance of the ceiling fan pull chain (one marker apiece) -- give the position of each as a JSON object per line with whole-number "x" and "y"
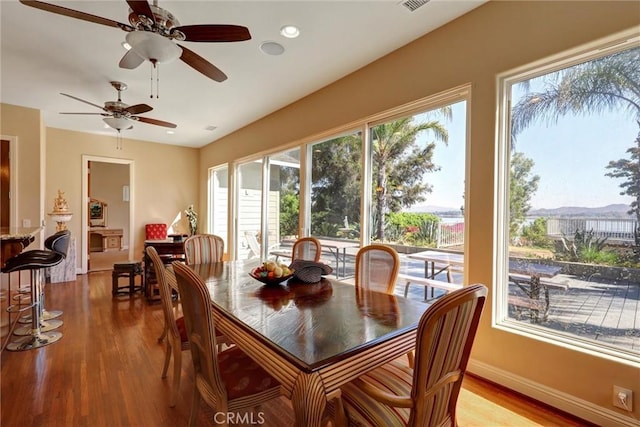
{"x": 158, "y": 82}
{"x": 119, "y": 141}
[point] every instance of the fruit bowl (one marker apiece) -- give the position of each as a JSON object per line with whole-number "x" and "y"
{"x": 270, "y": 280}
{"x": 271, "y": 273}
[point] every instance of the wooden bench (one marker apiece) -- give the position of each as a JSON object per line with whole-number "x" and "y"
{"x": 427, "y": 283}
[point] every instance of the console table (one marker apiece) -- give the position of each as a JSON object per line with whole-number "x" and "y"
{"x": 169, "y": 251}
{"x": 105, "y": 239}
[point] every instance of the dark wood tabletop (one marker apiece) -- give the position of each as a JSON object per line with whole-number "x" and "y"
{"x": 312, "y": 338}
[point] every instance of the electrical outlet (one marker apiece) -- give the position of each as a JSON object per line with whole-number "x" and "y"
{"x": 622, "y": 398}
{"x": 26, "y": 223}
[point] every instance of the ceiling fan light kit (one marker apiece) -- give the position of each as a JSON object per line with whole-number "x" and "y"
{"x": 152, "y": 32}
{"x": 153, "y": 47}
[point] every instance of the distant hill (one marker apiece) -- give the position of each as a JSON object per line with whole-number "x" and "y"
{"x": 618, "y": 210}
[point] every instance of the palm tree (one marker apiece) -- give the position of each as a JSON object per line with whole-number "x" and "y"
{"x": 399, "y": 165}
{"x": 610, "y": 83}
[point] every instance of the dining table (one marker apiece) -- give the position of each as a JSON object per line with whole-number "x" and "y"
{"x": 312, "y": 338}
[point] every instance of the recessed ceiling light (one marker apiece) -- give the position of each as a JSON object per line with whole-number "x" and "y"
{"x": 170, "y": 132}
{"x": 290, "y": 31}
{"x": 272, "y": 48}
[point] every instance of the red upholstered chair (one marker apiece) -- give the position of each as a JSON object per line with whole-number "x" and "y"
{"x": 155, "y": 231}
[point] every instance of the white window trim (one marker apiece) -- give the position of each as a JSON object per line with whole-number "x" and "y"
{"x": 596, "y": 49}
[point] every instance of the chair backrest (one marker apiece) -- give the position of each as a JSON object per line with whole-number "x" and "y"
{"x": 198, "y": 316}
{"x": 155, "y": 231}
{"x": 443, "y": 345}
{"x": 164, "y": 284}
{"x": 203, "y": 249}
{"x": 307, "y": 249}
{"x": 59, "y": 242}
{"x": 377, "y": 268}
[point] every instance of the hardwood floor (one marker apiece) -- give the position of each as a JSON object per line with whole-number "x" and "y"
{"x": 106, "y": 372}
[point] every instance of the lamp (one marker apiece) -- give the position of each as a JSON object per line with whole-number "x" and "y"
{"x": 118, "y": 123}
{"x": 153, "y": 47}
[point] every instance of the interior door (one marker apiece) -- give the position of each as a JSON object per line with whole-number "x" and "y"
{"x": 5, "y": 174}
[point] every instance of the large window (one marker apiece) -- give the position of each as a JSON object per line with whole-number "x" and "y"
{"x": 417, "y": 178}
{"x": 336, "y": 186}
{"x": 568, "y": 213}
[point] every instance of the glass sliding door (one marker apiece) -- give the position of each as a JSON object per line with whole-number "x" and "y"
{"x": 283, "y": 198}
{"x": 335, "y": 187}
{"x": 219, "y": 203}
{"x": 417, "y": 178}
{"x": 249, "y": 210}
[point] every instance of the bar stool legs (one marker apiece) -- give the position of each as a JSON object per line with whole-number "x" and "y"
{"x": 37, "y": 337}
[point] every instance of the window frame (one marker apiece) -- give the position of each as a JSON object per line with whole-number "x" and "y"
{"x": 504, "y": 83}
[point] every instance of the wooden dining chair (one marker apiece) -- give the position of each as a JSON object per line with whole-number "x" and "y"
{"x": 307, "y": 249}
{"x": 377, "y": 268}
{"x": 227, "y": 381}
{"x": 395, "y": 395}
{"x": 203, "y": 249}
{"x": 173, "y": 328}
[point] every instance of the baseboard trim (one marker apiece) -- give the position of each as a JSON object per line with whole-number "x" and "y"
{"x": 565, "y": 402}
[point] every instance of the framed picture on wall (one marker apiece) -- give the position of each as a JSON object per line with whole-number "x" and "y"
{"x": 97, "y": 213}
{"x": 96, "y": 210}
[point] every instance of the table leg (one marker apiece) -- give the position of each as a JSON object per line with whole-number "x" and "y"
{"x": 309, "y": 400}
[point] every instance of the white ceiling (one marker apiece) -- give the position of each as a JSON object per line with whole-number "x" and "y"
{"x": 43, "y": 54}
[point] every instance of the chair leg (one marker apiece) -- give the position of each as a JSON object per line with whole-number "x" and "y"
{"x": 167, "y": 358}
{"x": 177, "y": 370}
{"x": 195, "y": 407}
{"x": 411, "y": 359}
{"x": 164, "y": 332}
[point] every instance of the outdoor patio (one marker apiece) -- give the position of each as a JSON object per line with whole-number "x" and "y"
{"x": 594, "y": 309}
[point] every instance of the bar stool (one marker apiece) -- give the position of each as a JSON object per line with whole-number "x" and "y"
{"x": 35, "y": 261}
{"x": 52, "y": 243}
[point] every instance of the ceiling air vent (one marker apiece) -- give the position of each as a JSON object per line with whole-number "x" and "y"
{"x": 412, "y": 5}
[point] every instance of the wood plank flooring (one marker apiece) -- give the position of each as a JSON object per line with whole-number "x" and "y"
{"x": 106, "y": 372}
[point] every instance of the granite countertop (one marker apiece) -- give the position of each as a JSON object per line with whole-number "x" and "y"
{"x": 10, "y": 233}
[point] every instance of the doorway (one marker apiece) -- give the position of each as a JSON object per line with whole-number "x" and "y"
{"x": 8, "y": 181}
{"x": 107, "y": 183}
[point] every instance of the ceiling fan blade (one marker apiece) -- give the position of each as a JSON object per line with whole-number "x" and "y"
{"x": 76, "y": 14}
{"x": 215, "y": 33}
{"x": 131, "y": 60}
{"x": 86, "y": 102}
{"x": 141, "y": 7}
{"x": 155, "y": 122}
{"x": 138, "y": 108}
{"x": 202, "y": 65}
{"x": 90, "y": 114}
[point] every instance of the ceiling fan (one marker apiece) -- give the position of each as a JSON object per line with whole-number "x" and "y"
{"x": 119, "y": 115}
{"x": 152, "y": 32}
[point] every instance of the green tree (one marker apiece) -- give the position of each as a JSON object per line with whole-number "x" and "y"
{"x": 399, "y": 165}
{"x": 610, "y": 83}
{"x": 522, "y": 186}
{"x": 335, "y": 184}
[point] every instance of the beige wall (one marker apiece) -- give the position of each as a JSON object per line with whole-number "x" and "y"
{"x": 492, "y": 39}
{"x": 26, "y": 125}
{"x": 163, "y": 183}
{"x": 164, "y": 180}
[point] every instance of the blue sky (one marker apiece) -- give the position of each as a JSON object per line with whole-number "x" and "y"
{"x": 570, "y": 158}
